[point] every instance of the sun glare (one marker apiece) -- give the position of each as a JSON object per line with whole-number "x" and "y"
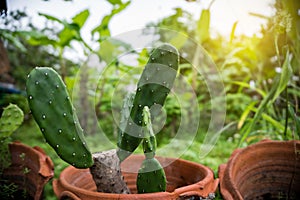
{"x": 249, "y": 16}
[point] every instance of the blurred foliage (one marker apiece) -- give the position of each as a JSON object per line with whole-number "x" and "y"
{"x": 260, "y": 73}
{"x": 22, "y": 56}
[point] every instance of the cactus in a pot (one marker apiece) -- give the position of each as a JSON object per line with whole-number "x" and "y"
{"x": 53, "y": 111}
{"x": 151, "y": 176}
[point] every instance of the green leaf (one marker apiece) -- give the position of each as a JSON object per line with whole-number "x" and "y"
{"x": 143, "y": 57}
{"x": 232, "y": 34}
{"x": 114, "y": 2}
{"x": 203, "y": 26}
{"x": 110, "y": 49}
{"x": 12, "y": 39}
{"x": 274, "y": 122}
{"x": 52, "y": 18}
{"x": 81, "y": 18}
{"x": 260, "y": 110}
{"x": 247, "y": 85}
{"x": 296, "y": 120}
{"x": 41, "y": 41}
{"x": 71, "y": 31}
{"x": 259, "y": 15}
{"x": 285, "y": 77}
{"x": 245, "y": 114}
{"x": 294, "y": 91}
{"x": 36, "y": 38}
{"x": 277, "y": 88}
{"x": 178, "y": 40}
{"x": 103, "y": 29}
{"x": 67, "y": 35}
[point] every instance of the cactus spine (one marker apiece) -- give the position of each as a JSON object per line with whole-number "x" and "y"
{"x": 53, "y": 111}
{"x": 153, "y": 87}
{"x": 151, "y": 176}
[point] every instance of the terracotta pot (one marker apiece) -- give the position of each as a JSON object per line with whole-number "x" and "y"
{"x": 265, "y": 170}
{"x": 184, "y": 179}
{"x": 30, "y": 169}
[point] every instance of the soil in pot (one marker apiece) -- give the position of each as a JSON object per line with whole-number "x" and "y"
{"x": 266, "y": 170}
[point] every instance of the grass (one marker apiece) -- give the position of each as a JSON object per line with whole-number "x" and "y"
{"x": 30, "y": 134}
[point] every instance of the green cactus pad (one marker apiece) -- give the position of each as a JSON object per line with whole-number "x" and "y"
{"x": 149, "y": 142}
{"x": 153, "y": 88}
{"x": 12, "y": 117}
{"x": 151, "y": 177}
{"x": 125, "y": 114}
{"x": 54, "y": 113}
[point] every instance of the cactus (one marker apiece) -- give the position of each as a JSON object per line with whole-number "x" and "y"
{"x": 149, "y": 142}
{"x": 125, "y": 114}
{"x": 153, "y": 87}
{"x": 11, "y": 119}
{"x": 151, "y": 176}
{"x": 53, "y": 111}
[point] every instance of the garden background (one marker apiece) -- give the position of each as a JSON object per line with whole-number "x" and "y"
{"x": 260, "y": 73}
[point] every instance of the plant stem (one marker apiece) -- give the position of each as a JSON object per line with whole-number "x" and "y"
{"x": 62, "y": 64}
{"x": 286, "y": 113}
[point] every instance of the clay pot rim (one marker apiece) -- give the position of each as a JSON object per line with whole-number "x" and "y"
{"x": 181, "y": 191}
{"x": 43, "y": 157}
{"x": 226, "y": 170}
{"x": 234, "y": 158}
{"x": 40, "y": 165}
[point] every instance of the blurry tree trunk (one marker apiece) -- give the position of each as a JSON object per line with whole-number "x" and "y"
{"x": 3, "y": 7}
{"x": 84, "y": 102}
{"x": 4, "y": 64}
{"x": 85, "y": 107}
